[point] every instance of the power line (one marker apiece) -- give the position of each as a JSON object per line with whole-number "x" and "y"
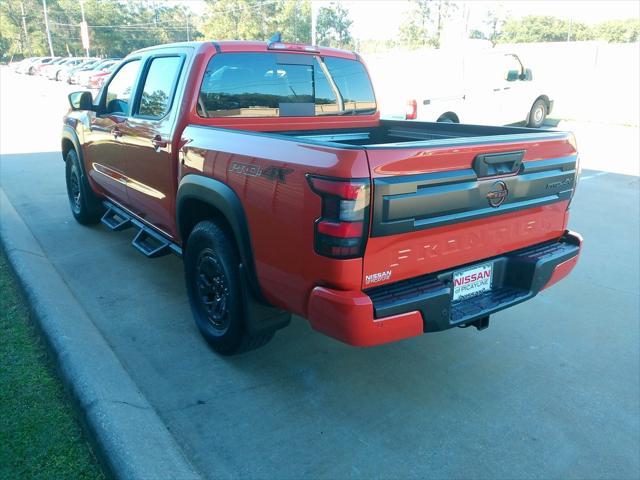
{"x": 131, "y": 28}
{"x": 110, "y": 26}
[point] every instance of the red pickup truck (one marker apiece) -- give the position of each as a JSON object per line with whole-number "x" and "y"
{"x": 267, "y": 167}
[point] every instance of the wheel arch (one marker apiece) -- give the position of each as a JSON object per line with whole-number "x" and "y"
{"x": 70, "y": 140}
{"x": 543, "y": 97}
{"x": 203, "y": 198}
{"x": 450, "y": 115}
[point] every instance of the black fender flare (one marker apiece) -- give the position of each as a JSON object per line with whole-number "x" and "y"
{"x": 223, "y": 199}
{"x": 68, "y": 133}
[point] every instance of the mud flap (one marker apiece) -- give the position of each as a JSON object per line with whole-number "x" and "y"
{"x": 259, "y": 316}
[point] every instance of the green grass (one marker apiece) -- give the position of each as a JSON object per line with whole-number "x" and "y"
{"x": 39, "y": 435}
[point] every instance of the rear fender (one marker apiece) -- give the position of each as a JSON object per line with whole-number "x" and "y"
{"x": 260, "y": 315}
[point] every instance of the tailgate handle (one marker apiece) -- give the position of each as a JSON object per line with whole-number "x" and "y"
{"x": 494, "y": 164}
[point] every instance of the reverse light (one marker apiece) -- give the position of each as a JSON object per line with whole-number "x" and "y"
{"x": 412, "y": 110}
{"x": 341, "y": 230}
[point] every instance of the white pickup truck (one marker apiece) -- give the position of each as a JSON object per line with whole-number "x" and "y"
{"x": 483, "y": 88}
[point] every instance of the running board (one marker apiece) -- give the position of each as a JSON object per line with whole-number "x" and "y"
{"x": 115, "y": 219}
{"x": 147, "y": 241}
{"x": 150, "y": 244}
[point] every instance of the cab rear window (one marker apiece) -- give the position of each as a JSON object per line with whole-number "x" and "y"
{"x": 281, "y": 85}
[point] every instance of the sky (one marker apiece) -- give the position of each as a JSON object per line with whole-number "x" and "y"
{"x": 381, "y": 19}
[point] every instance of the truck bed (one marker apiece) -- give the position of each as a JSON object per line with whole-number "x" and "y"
{"x": 392, "y": 133}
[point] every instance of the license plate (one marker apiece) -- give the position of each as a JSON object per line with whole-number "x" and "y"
{"x": 472, "y": 281}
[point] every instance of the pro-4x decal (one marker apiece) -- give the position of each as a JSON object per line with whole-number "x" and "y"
{"x": 277, "y": 174}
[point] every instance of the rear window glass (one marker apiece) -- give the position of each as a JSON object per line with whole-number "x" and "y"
{"x": 280, "y": 85}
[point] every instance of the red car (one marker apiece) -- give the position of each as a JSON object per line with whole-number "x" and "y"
{"x": 267, "y": 168}
{"x": 96, "y": 81}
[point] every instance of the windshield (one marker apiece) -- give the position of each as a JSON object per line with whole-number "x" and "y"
{"x": 282, "y": 85}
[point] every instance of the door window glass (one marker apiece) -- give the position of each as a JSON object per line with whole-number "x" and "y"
{"x": 157, "y": 93}
{"x": 120, "y": 88}
{"x": 511, "y": 68}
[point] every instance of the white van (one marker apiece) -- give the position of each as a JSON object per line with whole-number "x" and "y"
{"x": 484, "y": 88}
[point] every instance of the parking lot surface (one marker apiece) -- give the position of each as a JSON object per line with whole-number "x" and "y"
{"x": 551, "y": 389}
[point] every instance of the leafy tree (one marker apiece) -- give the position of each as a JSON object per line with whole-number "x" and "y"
{"x": 11, "y": 25}
{"x": 534, "y": 28}
{"x": 258, "y": 20}
{"x": 116, "y": 27}
{"x": 495, "y": 21}
{"x": 293, "y": 20}
{"x": 332, "y": 27}
{"x": 426, "y": 22}
{"x": 236, "y": 20}
{"x": 619, "y": 31}
{"x": 417, "y": 32}
{"x": 444, "y": 10}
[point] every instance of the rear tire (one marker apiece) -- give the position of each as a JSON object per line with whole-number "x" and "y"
{"x": 538, "y": 114}
{"x": 86, "y": 207}
{"x": 213, "y": 281}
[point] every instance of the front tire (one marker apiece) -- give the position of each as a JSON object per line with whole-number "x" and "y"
{"x": 538, "y": 114}
{"x": 213, "y": 281}
{"x": 85, "y": 205}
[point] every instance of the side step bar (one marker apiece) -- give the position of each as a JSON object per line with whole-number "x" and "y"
{"x": 147, "y": 241}
{"x": 115, "y": 219}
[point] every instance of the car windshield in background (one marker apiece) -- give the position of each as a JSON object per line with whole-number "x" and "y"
{"x": 284, "y": 85}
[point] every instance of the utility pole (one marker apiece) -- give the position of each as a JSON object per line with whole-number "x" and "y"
{"x": 188, "y": 33}
{"x": 46, "y": 24}
{"x": 24, "y": 27}
{"x": 314, "y": 14}
{"x": 84, "y": 30}
{"x": 569, "y": 32}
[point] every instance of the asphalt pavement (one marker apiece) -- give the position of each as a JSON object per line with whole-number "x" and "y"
{"x": 550, "y": 390}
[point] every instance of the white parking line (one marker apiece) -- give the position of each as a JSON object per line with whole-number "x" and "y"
{"x": 588, "y": 177}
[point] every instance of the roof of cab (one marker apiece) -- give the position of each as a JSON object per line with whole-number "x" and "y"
{"x": 225, "y": 46}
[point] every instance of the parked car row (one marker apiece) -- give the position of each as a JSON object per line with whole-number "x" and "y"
{"x": 87, "y": 72}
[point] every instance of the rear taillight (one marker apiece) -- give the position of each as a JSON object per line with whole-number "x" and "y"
{"x": 412, "y": 110}
{"x": 342, "y": 228}
{"x": 572, "y": 141}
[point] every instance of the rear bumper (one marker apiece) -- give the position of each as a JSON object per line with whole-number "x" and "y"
{"x": 423, "y": 304}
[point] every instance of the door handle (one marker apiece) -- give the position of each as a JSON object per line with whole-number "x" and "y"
{"x": 497, "y": 89}
{"x": 159, "y": 143}
{"x": 116, "y": 132}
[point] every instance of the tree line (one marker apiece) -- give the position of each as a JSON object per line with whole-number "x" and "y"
{"x": 116, "y": 26}
{"x": 552, "y": 29}
{"x": 119, "y": 26}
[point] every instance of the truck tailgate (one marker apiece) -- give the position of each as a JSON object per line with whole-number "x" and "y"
{"x": 439, "y": 206}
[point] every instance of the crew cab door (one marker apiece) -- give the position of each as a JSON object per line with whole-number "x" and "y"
{"x": 103, "y": 146}
{"x": 148, "y": 144}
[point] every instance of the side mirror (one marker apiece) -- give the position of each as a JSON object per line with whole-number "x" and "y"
{"x": 81, "y": 100}
{"x": 527, "y": 75}
{"x": 512, "y": 75}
